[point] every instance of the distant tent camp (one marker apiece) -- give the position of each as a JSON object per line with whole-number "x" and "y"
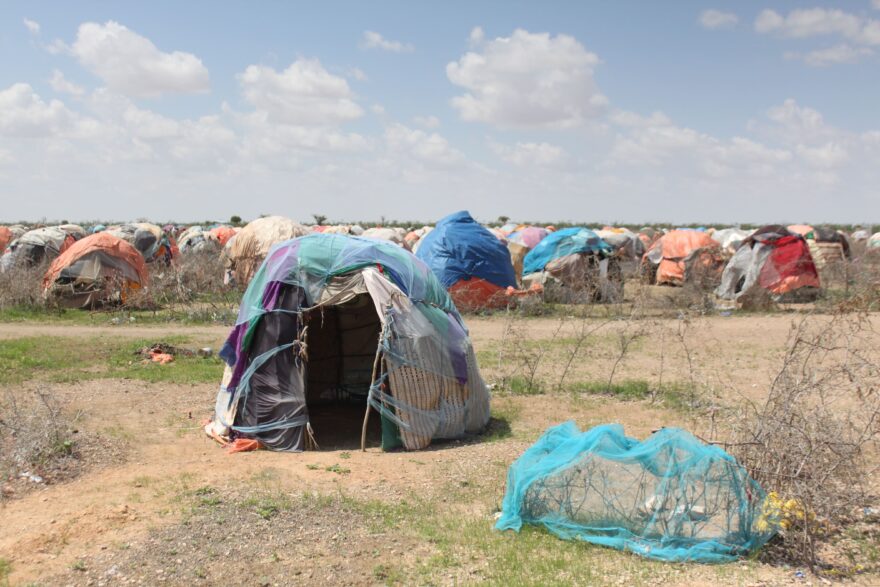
{"x": 574, "y": 265}
{"x": 245, "y": 252}
{"x": 96, "y": 270}
{"x": 774, "y": 259}
{"x": 682, "y": 255}
{"x": 37, "y": 246}
{"x": 470, "y": 262}
{"x": 829, "y": 248}
{"x": 333, "y": 324}
{"x": 394, "y": 235}
{"x": 149, "y": 239}
{"x": 528, "y": 236}
{"x": 730, "y": 239}
{"x": 197, "y": 239}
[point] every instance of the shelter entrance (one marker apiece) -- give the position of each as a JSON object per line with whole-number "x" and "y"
{"x": 342, "y": 342}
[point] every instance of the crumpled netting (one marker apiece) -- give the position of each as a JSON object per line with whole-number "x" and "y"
{"x": 669, "y": 498}
{"x": 423, "y": 335}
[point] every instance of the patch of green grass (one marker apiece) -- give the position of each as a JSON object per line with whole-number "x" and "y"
{"x": 312, "y": 467}
{"x": 191, "y": 315}
{"x": 520, "y": 385}
{"x": 339, "y": 470}
{"x": 387, "y": 574}
{"x": 5, "y": 571}
{"x": 29, "y": 358}
{"x": 69, "y": 359}
{"x": 672, "y": 395}
{"x": 79, "y": 565}
{"x": 268, "y": 505}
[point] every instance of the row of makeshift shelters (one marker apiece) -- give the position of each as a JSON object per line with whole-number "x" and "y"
{"x": 479, "y": 266}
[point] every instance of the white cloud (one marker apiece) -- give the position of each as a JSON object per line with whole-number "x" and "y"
{"x": 131, "y": 64}
{"x": 63, "y": 86}
{"x": 304, "y": 94}
{"x": 24, "y": 114}
{"x": 875, "y": 4}
{"x": 373, "y": 40}
{"x": 429, "y": 148}
{"x": 531, "y": 154}
{"x": 528, "y": 80}
{"x": 477, "y": 35}
{"x": 631, "y": 119}
{"x": 357, "y": 74}
{"x": 832, "y": 55}
{"x": 715, "y": 19}
{"x": 32, "y": 26}
{"x": 827, "y": 156}
{"x": 812, "y": 22}
{"x": 427, "y": 121}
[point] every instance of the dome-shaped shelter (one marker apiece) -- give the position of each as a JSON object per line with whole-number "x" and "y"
{"x": 683, "y": 255}
{"x": 336, "y": 325}
{"x": 246, "y": 251}
{"x": 96, "y": 270}
{"x": 149, "y": 239}
{"x": 774, "y": 259}
{"x": 36, "y": 246}
{"x": 574, "y": 265}
{"x": 470, "y": 262}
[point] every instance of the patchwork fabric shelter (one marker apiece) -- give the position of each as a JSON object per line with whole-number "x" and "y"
{"x": 730, "y": 239}
{"x": 626, "y": 244}
{"x": 36, "y": 246}
{"x": 244, "y": 253}
{"x": 470, "y": 262}
{"x": 774, "y": 259}
{"x": 670, "y": 497}
{"x": 529, "y": 236}
{"x": 333, "y": 322}
{"x": 149, "y": 239}
{"x": 98, "y": 269}
{"x": 682, "y": 254}
{"x": 574, "y": 265}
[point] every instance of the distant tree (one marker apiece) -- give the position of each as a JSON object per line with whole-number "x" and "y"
{"x": 320, "y": 219}
{"x": 235, "y": 220}
{"x": 503, "y": 219}
{"x": 65, "y": 222}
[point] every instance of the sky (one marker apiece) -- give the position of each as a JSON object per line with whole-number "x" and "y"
{"x": 582, "y": 111}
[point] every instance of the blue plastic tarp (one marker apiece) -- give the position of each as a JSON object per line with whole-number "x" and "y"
{"x": 459, "y": 248}
{"x": 568, "y": 241}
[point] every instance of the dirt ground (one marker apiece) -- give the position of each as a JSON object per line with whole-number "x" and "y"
{"x": 171, "y": 507}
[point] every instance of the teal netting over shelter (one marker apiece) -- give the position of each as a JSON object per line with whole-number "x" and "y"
{"x": 332, "y": 318}
{"x": 670, "y": 497}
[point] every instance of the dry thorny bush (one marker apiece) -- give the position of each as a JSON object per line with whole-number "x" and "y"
{"x": 192, "y": 288}
{"x": 22, "y": 286}
{"x": 814, "y": 437}
{"x": 36, "y": 435}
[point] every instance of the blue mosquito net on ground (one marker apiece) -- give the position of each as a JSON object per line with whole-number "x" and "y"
{"x": 670, "y": 497}
{"x": 568, "y": 241}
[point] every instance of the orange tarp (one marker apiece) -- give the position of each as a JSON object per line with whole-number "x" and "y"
{"x": 5, "y": 238}
{"x": 677, "y": 245}
{"x": 100, "y": 241}
{"x": 222, "y": 234}
{"x": 476, "y": 293}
